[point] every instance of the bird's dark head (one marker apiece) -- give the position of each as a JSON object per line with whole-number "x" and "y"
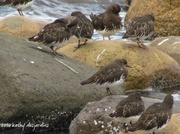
{"x": 135, "y": 95}
{"x": 151, "y": 17}
{"x": 123, "y": 62}
{"x": 168, "y": 100}
{"x": 114, "y": 8}
{"x": 77, "y": 14}
{"x": 68, "y": 21}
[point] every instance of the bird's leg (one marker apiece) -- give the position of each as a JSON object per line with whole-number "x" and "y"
{"x": 103, "y": 38}
{"x": 54, "y": 49}
{"x": 126, "y": 127}
{"x": 109, "y": 37}
{"x": 108, "y": 91}
{"x": 19, "y": 11}
{"x": 131, "y": 123}
{"x": 85, "y": 42}
{"x": 140, "y": 44}
{"x": 79, "y": 45}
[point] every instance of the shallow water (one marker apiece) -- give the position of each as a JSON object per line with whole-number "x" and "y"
{"x": 49, "y": 10}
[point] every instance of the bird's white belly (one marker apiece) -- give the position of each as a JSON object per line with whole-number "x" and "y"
{"x": 155, "y": 129}
{"x": 23, "y": 6}
{"x": 132, "y": 119}
{"x": 106, "y": 33}
{"x": 113, "y": 84}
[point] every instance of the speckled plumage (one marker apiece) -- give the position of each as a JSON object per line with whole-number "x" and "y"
{"x": 19, "y": 4}
{"x": 140, "y": 28}
{"x": 129, "y": 109}
{"x": 84, "y": 28}
{"x": 109, "y": 22}
{"x": 155, "y": 117}
{"x": 110, "y": 74}
{"x": 56, "y": 33}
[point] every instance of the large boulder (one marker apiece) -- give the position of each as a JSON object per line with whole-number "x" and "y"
{"x": 20, "y": 27}
{"x": 148, "y": 65}
{"x": 166, "y": 14}
{"x": 169, "y": 45}
{"x": 35, "y": 84}
{"x": 94, "y": 118}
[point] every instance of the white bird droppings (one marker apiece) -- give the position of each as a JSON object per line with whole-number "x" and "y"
{"x": 162, "y": 42}
{"x": 32, "y": 62}
{"x": 95, "y": 122}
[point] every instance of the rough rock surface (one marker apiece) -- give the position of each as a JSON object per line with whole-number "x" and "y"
{"x": 166, "y": 14}
{"x": 169, "y": 45}
{"x": 94, "y": 118}
{"x": 34, "y": 82}
{"x": 20, "y": 27}
{"x": 149, "y": 66}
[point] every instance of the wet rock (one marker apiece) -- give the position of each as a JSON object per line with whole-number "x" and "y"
{"x": 20, "y": 27}
{"x": 34, "y": 83}
{"x": 94, "y": 118}
{"x": 166, "y": 14}
{"x": 145, "y": 62}
{"x": 169, "y": 45}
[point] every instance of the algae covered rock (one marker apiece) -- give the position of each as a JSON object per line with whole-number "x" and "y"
{"x": 166, "y": 13}
{"x": 20, "y": 27}
{"x": 94, "y": 118}
{"x": 145, "y": 62}
{"x": 34, "y": 84}
{"x": 169, "y": 45}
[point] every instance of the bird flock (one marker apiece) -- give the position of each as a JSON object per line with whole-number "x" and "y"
{"x": 131, "y": 110}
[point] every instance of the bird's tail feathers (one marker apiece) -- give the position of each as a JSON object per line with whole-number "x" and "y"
{"x": 88, "y": 81}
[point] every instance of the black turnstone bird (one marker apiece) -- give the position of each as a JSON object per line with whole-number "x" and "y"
{"x": 110, "y": 75}
{"x": 140, "y": 28}
{"x": 155, "y": 117}
{"x": 83, "y": 30}
{"x": 109, "y": 22}
{"x": 55, "y": 34}
{"x": 18, "y": 4}
{"x": 129, "y": 109}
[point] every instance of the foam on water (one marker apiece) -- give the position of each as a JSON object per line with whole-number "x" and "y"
{"x": 49, "y": 10}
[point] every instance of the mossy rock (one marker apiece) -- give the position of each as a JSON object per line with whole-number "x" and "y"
{"x": 145, "y": 62}
{"x": 166, "y": 13}
{"x": 169, "y": 45}
{"x": 20, "y": 27}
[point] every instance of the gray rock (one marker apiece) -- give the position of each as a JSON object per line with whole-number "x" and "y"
{"x": 34, "y": 82}
{"x": 94, "y": 118}
{"x": 169, "y": 45}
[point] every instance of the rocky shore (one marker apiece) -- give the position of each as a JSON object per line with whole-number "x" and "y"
{"x": 38, "y": 87}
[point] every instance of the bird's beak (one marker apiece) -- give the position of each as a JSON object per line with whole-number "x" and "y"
{"x": 128, "y": 66}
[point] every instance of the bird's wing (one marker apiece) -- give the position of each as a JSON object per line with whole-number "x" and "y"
{"x": 112, "y": 21}
{"x": 53, "y": 32}
{"x": 109, "y": 73}
{"x": 132, "y": 109}
{"x": 138, "y": 28}
{"x": 97, "y": 21}
{"x": 17, "y": 2}
{"x": 5, "y": 2}
{"x": 152, "y": 117}
{"x": 84, "y": 29}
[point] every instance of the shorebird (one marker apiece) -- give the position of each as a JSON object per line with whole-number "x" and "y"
{"x": 56, "y": 33}
{"x": 155, "y": 117}
{"x": 110, "y": 75}
{"x": 140, "y": 28}
{"x": 83, "y": 30}
{"x": 129, "y": 109}
{"x": 18, "y": 4}
{"x": 109, "y": 22}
